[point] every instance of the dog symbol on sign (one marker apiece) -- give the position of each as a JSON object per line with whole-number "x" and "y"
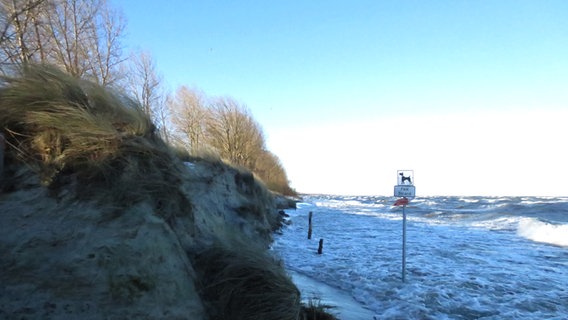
{"x": 403, "y": 178}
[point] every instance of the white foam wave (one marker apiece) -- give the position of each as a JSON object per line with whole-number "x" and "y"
{"x": 541, "y": 200}
{"x": 496, "y": 223}
{"x": 540, "y": 231}
{"x": 336, "y": 204}
{"x": 301, "y": 205}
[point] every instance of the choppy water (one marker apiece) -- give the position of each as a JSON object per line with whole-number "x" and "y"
{"x": 467, "y": 258}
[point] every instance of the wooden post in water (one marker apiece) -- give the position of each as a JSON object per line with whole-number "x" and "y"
{"x": 320, "y": 247}
{"x": 310, "y": 226}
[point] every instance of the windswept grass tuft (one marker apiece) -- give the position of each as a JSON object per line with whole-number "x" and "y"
{"x": 61, "y": 121}
{"x": 315, "y": 310}
{"x": 59, "y": 125}
{"x": 242, "y": 281}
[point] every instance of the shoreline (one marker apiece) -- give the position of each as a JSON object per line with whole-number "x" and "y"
{"x": 344, "y": 306}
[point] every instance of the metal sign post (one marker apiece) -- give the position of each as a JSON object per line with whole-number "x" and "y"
{"x": 404, "y": 189}
{"x": 403, "y": 244}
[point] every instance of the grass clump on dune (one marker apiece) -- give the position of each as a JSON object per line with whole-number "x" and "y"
{"x": 315, "y": 310}
{"x": 60, "y": 126}
{"x": 241, "y": 281}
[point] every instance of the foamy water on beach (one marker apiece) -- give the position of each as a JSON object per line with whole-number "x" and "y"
{"x": 467, "y": 258}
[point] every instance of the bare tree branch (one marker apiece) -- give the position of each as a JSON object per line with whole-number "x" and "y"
{"x": 80, "y": 36}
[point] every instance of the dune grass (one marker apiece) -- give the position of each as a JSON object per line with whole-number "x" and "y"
{"x": 242, "y": 281}
{"x": 61, "y": 121}
{"x": 60, "y": 127}
{"x": 315, "y": 310}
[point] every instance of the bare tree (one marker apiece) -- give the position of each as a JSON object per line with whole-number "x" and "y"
{"x": 227, "y": 127}
{"x": 189, "y": 113}
{"x": 105, "y": 38}
{"x": 80, "y": 36}
{"x": 143, "y": 81}
{"x": 145, "y": 85}
{"x": 11, "y": 13}
{"x": 234, "y": 133}
{"x": 270, "y": 170}
{"x": 18, "y": 41}
{"x": 162, "y": 114}
{"x": 85, "y": 37}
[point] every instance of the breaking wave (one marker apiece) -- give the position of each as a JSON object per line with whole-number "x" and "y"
{"x": 540, "y": 231}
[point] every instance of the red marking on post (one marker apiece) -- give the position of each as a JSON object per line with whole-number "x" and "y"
{"x": 401, "y": 202}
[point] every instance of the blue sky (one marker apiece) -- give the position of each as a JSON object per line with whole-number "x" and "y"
{"x": 465, "y": 93}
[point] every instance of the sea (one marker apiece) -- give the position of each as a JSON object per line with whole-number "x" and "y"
{"x": 466, "y": 257}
